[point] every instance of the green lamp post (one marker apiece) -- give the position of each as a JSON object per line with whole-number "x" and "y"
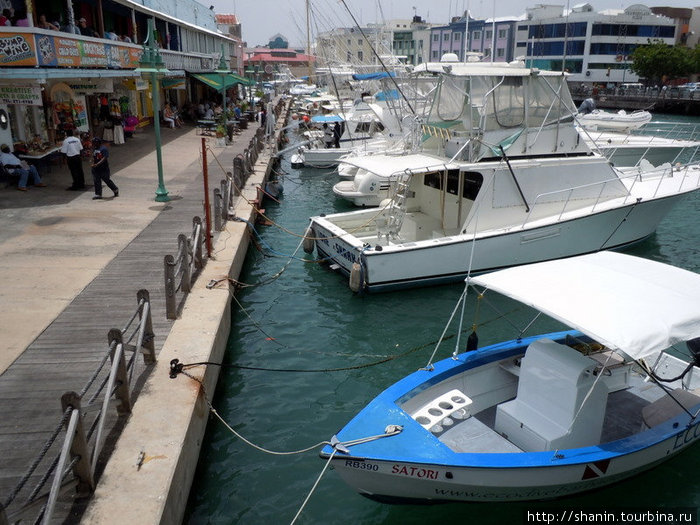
{"x": 223, "y": 70}
{"x": 151, "y": 67}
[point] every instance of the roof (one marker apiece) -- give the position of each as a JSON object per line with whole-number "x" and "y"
{"x": 627, "y": 303}
{"x": 226, "y": 19}
{"x": 269, "y": 57}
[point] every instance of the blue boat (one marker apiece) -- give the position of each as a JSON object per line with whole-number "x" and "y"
{"x": 548, "y": 415}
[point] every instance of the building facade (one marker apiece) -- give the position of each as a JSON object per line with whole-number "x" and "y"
{"x": 483, "y": 37}
{"x": 594, "y": 47}
{"x": 56, "y": 80}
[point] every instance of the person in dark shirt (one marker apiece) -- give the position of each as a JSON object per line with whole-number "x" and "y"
{"x": 100, "y": 169}
{"x": 86, "y": 30}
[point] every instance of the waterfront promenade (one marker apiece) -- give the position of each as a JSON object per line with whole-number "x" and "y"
{"x": 71, "y": 267}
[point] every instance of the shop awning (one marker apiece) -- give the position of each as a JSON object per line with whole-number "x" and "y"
{"x": 220, "y": 82}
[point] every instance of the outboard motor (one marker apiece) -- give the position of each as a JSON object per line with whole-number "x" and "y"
{"x": 587, "y": 106}
{"x": 694, "y": 348}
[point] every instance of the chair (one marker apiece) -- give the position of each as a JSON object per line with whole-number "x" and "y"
{"x": 10, "y": 178}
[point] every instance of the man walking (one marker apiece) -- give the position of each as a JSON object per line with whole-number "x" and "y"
{"x": 71, "y": 148}
{"x": 100, "y": 169}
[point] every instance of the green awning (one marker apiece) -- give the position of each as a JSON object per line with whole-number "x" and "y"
{"x": 221, "y": 82}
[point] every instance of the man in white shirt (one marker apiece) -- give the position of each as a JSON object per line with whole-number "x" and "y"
{"x": 13, "y": 165}
{"x": 71, "y": 148}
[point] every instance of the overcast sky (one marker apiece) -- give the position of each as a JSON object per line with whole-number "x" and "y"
{"x": 261, "y": 19}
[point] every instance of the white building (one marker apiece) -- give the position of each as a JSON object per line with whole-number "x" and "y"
{"x": 595, "y": 47}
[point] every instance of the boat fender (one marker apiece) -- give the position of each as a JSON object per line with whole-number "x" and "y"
{"x": 356, "y": 277}
{"x": 308, "y": 243}
{"x": 384, "y": 203}
{"x": 472, "y": 342}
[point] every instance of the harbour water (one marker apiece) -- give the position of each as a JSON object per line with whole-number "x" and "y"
{"x": 307, "y": 354}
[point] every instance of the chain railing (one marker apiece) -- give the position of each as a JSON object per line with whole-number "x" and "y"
{"x": 85, "y": 419}
{"x": 181, "y": 270}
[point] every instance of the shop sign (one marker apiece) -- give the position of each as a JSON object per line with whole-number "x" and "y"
{"x": 71, "y": 52}
{"x": 98, "y": 85}
{"x": 23, "y": 95}
{"x": 17, "y": 49}
{"x": 140, "y": 84}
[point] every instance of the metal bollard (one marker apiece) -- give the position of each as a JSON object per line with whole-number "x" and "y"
{"x": 170, "y": 301}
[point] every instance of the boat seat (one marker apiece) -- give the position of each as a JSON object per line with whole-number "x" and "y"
{"x": 441, "y": 411}
{"x": 548, "y": 412}
{"x": 666, "y": 408}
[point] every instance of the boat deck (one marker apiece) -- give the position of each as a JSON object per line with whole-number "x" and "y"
{"x": 623, "y": 418}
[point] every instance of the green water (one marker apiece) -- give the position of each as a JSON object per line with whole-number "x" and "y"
{"x": 307, "y": 319}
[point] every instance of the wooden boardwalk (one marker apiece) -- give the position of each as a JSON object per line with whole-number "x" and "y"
{"x": 68, "y": 351}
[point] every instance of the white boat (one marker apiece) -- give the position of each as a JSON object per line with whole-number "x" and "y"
{"x": 542, "y": 416}
{"x": 504, "y": 179}
{"x": 624, "y": 149}
{"x": 620, "y": 120}
{"x": 367, "y": 126}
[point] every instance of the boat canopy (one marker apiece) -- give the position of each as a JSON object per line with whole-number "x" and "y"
{"x": 388, "y": 165}
{"x": 372, "y": 76}
{"x": 638, "y": 306}
{"x": 326, "y": 118}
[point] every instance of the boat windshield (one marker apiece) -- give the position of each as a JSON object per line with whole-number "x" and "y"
{"x": 498, "y": 102}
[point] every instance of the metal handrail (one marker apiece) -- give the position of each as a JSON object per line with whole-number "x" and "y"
{"x": 181, "y": 270}
{"x": 74, "y": 455}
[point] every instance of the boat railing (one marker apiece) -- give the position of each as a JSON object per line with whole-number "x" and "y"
{"x": 73, "y": 463}
{"x": 631, "y": 176}
{"x": 669, "y": 131}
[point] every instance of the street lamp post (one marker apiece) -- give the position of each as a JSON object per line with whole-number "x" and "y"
{"x": 223, "y": 70}
{"x": 151, "y": 67}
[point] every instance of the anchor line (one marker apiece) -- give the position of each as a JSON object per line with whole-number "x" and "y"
{"x": 176, "y": 367}
{"x": 621, "y": 223}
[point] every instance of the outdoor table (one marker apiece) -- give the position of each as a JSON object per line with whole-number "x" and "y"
{"x": 40, "y": 158}
{"x": 206, "y": 126}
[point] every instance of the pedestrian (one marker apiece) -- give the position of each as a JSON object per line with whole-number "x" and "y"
{"x": 100, "y": 169}
{"x": 13, "y": 165}
{"x": 72, "y": 148}
{"x": 336, "y": 134}
{"x": 327, "y": 135}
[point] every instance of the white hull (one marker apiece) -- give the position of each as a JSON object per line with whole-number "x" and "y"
{"x": 617, "y": 121}
{"x": 447, "y": 259}
{"x": 404, "y": 481}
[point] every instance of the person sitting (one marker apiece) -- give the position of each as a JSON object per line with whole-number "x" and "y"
{"x": 86, "y": 30}
{"x": 5, "y": 18}
{"x": 169, "y": 116}
{"x": 13, "y": 166}
{"x": 20, "y": 19}
{"x": 209, "y": 113}
{"x": 44, "y": 24}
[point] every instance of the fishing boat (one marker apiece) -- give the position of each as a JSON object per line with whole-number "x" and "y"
{"x": 548, "y": 415}
{"x": 502, "y": 178}
{"x": 620, "y": 120}
{"x": 627, "y": 149}
{"x": 367, "y": 126}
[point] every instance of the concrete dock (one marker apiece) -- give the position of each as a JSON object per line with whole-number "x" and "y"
{"x": 72, "y": 267}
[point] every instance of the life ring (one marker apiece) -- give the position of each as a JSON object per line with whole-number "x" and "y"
{"x": 618, "y": 58}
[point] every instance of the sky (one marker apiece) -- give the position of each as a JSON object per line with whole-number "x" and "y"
{"x": 262, "y": 19}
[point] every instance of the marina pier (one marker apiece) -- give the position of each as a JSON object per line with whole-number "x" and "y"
{"x": 90, "y": 262}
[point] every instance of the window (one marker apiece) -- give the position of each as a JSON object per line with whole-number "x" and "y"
{"x": 349, "y": 56}
{"x": 476, "y": 35}
{"x": 500, "y": 52}
{"x": 471, "y": 182}
{"x": 446, "y": 36}
{"x": 436, "y": 37}
{"x": 359, "y": 41}
{"x": 456, "y": 36}
{"x": 488, "y": 35}
{"x": 521, "y": 44}
{"x": 434, "y": 55}
{"x": 360, "y": 56}
{"x": 349, "y": 41}
{"x": 502, "y": 33}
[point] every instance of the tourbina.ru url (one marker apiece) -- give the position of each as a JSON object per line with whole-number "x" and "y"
{"x": 662, "y": 515}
